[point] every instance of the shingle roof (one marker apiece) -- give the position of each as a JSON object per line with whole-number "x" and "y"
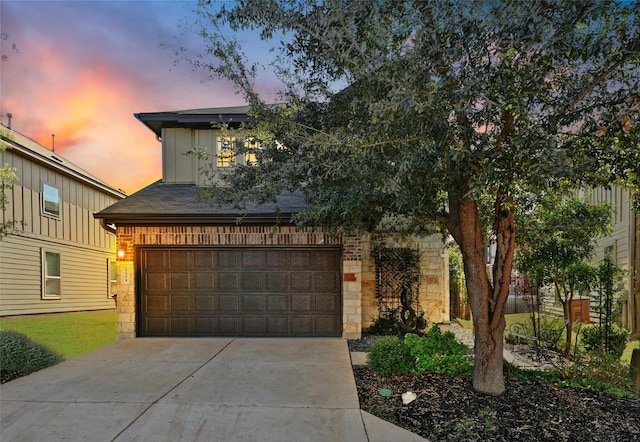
{"x": 161, "y": 203}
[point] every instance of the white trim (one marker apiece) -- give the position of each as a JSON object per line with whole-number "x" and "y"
{"x": 46, "y": 277}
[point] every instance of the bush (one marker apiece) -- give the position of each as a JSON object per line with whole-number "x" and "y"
{"x": 390, "y": 323}
{"x": 438, "y": 352}
{"x": 594, "y": 340}
{"x": 390, "y": 356}
{"x": 598, "y": 373}
{"x": 20, "y": 356}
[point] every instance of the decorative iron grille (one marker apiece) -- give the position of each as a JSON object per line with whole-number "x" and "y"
{"x": 398, "y": 284}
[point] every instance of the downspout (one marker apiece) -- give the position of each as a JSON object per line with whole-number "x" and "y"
{"x": 107, "y": 227}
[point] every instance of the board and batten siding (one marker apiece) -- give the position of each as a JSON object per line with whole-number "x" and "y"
{"x": 84, "y": 246}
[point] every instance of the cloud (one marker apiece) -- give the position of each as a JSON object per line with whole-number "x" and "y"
{"x": 84, "y": 69}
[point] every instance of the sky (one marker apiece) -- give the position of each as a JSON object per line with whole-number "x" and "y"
{"x": 83, "y": 68}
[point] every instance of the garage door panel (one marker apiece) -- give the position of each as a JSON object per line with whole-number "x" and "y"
{"x": 229, "y": 326}
{"x": 326, "y": 325}
{"x": 254, "y": 259}
{"x": 155, "y": 259}
{"x": 302, "y": 303}
{"x": 277, "y": 326}
{"x": 204, "y": 326}
{"x": 179, "y": 281}
{"x": 157, "y": 326}
{"x": 156, "y": 281}
{"x": 205, "y": 281}
{"x": 301, "y": 280}
{"x": 157, "y": 304}
{"x": 180, "y": 303}
{"x": 229, "y": 303}
{"x": 253, "y": 325}
{"x": 247, "y": 291}
{"x": 276, "y": 281}
{"x": 204, "y": 303}
{"x": 252, "y": 281}
{"x": 204, "y": 259}
{"x": 228, "y": 259}
{"x": 327, "y": 303}
{"x": 229, "y": 281}
{"x": 325, "y": 281}
{"x": 252, "y": 303}
{"x": 277, "y": 259}
{"x": 180, "y": 259}
{"x": 277, "y": 303}
{"x": 180, "y": 326}
{"x": 302, "y": 326}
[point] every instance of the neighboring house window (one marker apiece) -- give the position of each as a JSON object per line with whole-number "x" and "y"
{"x": 50, "y": 200}
{"x": 226, "y": 155}
{"x": 51, "y": 282}
{"x": 112, "y": 274}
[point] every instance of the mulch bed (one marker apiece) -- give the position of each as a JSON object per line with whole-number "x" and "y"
{"x": 448, "y": 409}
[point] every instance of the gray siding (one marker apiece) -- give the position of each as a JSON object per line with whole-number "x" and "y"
{"x": 84, "y": 245}
{"x": 83, "y": 272}
{"x": 620, "y": 240}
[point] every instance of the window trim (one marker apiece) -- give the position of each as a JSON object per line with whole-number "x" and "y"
{"x": 43, "y": 206}
{"x": 46, "y": 277}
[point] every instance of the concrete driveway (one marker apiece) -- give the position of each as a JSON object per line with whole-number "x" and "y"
{"x": 200, "y": 389}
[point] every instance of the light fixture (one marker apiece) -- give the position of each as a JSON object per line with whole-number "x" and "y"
{"x": 121, "y": 253}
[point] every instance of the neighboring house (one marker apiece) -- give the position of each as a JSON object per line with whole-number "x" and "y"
{"x": 624, "y": 246}
{"x": 190, "y": 268}
{"x": 57, "y": 258}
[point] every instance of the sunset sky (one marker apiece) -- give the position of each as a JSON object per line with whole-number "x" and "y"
{"x": 83, "y": 68}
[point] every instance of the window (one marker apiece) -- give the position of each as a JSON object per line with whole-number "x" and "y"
{"x": 226, "y": 151}
{"x": 51, "y": 287}
{"x": 112, "y": 277}
{"x": 50, "y": 200}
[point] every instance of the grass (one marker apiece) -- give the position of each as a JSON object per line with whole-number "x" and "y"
{"x": 67, "y": 334}
{"x": 525, "y": 318}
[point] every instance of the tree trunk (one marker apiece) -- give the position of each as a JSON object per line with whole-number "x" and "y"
{"x": 487, "y": 300}
{"x": 566, "y": 307}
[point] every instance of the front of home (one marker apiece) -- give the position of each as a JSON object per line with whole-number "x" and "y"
{"x": 56, "y": 258}
{"x": 190, "y": 268}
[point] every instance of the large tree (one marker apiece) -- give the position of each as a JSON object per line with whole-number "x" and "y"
{"x": 433, "y": 111}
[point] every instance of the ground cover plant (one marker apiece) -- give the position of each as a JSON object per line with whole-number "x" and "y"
{"x": 66, "y": 334}
{"x": 20, "y": 356}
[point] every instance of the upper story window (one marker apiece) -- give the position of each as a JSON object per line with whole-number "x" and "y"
{"x": 50, "y": 200}
{"x": 226, "y": 151}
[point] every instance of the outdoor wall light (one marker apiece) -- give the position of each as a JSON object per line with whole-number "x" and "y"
{"x": 120, "y": 253}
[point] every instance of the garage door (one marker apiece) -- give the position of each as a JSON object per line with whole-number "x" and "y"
{"x": 240, "y": 292}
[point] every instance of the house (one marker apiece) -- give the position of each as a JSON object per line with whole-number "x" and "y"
{"x": 624, "y": 246}
{"x": 188, "y": 268}
{"x": 57, "y": 257}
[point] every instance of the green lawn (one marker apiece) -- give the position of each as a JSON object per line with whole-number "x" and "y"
{"x": 67, "y": 334}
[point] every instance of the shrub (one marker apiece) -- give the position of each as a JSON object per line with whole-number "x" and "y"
{"x": 598, "y": 373}
{"x": 594, "y": 340}
{"x": 21, "y": 356}
{"x": 390, "y": 356}
{"x": 438, "y": 352}
{"x": 390, "y": 323}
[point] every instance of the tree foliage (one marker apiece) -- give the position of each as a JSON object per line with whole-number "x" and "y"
{"x": 557, "y": 242}
{"x": 434, "y": 111}
{"x": 8, "y": 177}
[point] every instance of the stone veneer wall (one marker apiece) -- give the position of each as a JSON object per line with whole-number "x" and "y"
{"x": 131, "y": 237}
{"x": 434, "y": 276}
